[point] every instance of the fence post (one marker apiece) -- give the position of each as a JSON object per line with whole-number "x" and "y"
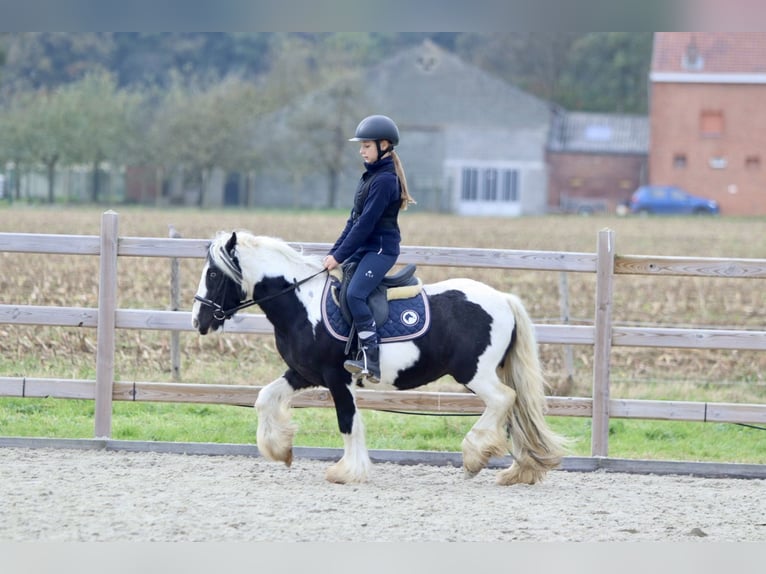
{"x": 175, "y": 336}
{"x": 568, "y": 352}
{"x": 602, "y": 347}
{"x": 107, "y": 307}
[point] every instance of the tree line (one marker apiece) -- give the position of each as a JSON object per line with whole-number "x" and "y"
{"x": 191, "y": 98}
{"x": 93, "y": 122}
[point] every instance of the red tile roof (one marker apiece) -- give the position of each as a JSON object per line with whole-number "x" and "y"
{"x": 720, "y": 52}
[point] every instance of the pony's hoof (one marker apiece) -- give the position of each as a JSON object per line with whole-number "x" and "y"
{"x": 469, "y": 474}
{"x": 335, "y": 478}
{"x": 518, "y": 475}
{"x": 341, "y": 473}
{"x": 474, "y": 458}
{"x": 281, "y": 455}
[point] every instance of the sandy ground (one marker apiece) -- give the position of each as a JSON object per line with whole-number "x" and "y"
{"x": 82, "y": 495}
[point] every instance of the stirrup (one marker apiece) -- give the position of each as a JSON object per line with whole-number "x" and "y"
{"x": 359, "y": 367}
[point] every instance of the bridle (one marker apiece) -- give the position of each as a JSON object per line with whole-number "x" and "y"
{"x": 221, "y": 314}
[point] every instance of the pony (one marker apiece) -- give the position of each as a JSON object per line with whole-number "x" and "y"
{"x": 481, "y": 337}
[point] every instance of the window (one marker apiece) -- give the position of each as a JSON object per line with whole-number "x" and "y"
{"x": 718, "y": 162}
{"x": 470, "y": 189}
{"x": 489, "y": 193}
{"x": 711, "y": 123}
{"x": 510, "y": 185}
{"x": 489, "y": 185}
{"x": 679, "y": 161}
{"x": 427, "y": 62}
{"x": 692, "y": 59}
{"x": 753, "y": 162}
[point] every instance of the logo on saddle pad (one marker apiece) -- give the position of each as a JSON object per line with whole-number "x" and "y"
{"x": 407, "y": 318}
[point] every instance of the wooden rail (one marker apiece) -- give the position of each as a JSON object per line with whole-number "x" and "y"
{"x": 602, "y": 336}
{"x": 408, "y": 401}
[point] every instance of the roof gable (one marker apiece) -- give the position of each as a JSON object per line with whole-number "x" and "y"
{"x": 426, "y": 86}
{"x": 426, "y": 90}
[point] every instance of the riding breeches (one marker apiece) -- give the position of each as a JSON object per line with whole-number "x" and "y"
{"x": 369, "y": 273}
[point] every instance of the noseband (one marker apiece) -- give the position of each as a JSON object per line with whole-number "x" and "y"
{"x": 219, "y": 312}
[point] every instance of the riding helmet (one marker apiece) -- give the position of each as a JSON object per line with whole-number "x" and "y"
{"x": 376, "y": 128}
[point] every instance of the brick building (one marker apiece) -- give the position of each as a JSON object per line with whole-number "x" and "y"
{"x": 707, "y": 118}
{"x": 595, "y": 161}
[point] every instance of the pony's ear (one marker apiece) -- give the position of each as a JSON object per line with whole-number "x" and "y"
{"x": 232, "y": 242}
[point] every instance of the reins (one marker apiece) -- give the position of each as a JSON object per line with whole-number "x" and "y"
{"x": 222, "y": 314}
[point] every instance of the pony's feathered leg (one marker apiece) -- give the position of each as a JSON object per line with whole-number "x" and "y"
{"x": 488, "y": 438}
{"x": 275, "y": 428}
{"x": 535, "y": 447}
{"x": 355, "y": 464}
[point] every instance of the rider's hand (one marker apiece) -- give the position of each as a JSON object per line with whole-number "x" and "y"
{"x": 329, "y": 263}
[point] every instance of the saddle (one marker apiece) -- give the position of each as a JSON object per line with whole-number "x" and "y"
{"x": 400, "y": 285}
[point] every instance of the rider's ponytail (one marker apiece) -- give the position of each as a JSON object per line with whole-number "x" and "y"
{"x": 407, "y": 199}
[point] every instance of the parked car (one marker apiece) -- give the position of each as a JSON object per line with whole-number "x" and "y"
{"x": 671, "y": 200}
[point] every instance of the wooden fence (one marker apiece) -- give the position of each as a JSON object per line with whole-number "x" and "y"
{"x": 602, "y": 335}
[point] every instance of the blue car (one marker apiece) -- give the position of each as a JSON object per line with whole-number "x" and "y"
{"x": 670, "y": 200}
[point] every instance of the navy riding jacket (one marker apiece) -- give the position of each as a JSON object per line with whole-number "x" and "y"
{"x": 373, "y": 225}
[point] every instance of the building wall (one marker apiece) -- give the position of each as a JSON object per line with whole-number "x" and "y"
{"x": 609, "y": 179}
{"x": 730, "y": 167}
{"x": 433, "y": 159}
{"x": 71, "y": 184}
{"x": 528, "y": 197}
{"x": 499, "y": 150}
{"x": 421, "y": 152}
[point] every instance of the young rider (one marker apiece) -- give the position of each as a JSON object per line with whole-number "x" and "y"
{"x": 371, "y": 236}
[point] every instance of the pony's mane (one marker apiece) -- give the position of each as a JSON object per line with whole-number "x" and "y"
{"x": 259, "y": 249}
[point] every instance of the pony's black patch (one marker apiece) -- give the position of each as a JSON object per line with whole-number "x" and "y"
{"x": 222, "y": 291}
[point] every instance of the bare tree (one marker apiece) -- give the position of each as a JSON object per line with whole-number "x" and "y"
{"x": 50, "y": 124}
{"x": 103, "y": 127}
{"x": 206, "y": 127}
{"x": 322, "y": 126}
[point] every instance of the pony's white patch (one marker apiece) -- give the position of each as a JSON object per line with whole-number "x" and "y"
{"x": 275, "y": 429}
{"x": 498, "y": 398}
{"x": 310, "y": 295}
{"x": 355, "y": 464}
{"x": 395, "y": 358}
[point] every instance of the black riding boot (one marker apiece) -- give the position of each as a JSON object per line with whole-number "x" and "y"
{"x": 367, "y": 362}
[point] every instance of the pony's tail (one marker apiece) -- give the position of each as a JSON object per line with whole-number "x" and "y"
{"x": 535, "y": 447}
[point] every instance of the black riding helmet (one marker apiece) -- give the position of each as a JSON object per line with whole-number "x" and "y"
{"x": 377, "y": 128}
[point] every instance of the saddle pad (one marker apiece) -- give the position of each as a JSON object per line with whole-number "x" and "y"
{"x": 407, "y": 318}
